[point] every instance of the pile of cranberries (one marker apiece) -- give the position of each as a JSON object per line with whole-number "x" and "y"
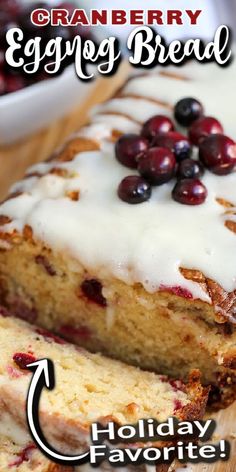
{"x": 13, "y": 15}
{"x": 160, "y": 153}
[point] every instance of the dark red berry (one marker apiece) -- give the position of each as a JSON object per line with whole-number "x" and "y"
{"x": 128, "y": 148}
{"x": 190, "y": 169}
{"x": 92, "y": 289}
{"x": 13, "y": 83}
{"x": 176, "y": 142}
{"x": 218, "y": 154}
{"x": 12, "y": 7}
{"x": 189, "y": 192}
{"x": 156, "y": 125}
{"x": 204, "y": 127}
{"x": 24, "y": 456}
{"x": 2, "y": 84}
{"x": 157, "y": 165}
{"x": 187, "y": 111}
{"x": 50, "y": 337}
{"x": 22, "y": 360}
{"x": 134, "y": 189}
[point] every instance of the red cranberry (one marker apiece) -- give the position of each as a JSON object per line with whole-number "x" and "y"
{"x": 177, "y": 405}
{"x": 22, "y": 360}
{"x": 176, "y": 142}
{"x": 177, "y": 290}
{"x": 13, "y": 83}
{"x": 156, "y": 125}
{"x": 218, "y": 154}
{"x": 10, "y": 6}
{"x": 24, "y": 456}
{"x": 2, "y": 59}
{"x": 157, "y": 165}
{"x": 134, "y": 189}
{"x": 128, "y": 148}
{"x": 50, "y": 337}
{"x": 92, "y": 289}
{"x": 2, "y": 84}
{"x": 189, "y": 192}
{"x": 188, "y": 110}
{"x": 202, "y": 128}
{"x": 190, "y": 169}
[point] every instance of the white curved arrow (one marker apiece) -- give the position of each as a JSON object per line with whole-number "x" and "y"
{"x": 44, "y": 377}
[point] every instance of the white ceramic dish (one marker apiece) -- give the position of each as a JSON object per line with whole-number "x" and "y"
{"x": 33, "y": 108}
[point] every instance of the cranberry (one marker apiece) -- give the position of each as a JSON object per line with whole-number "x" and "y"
{"x": 177, "y": 290}
{"x": 10, "y": 6}
{"x": 128, "y": 148}
{"x": 218, "y": 154}
{"x": 177, "y": 405}
{"x": 13, "y": 83}
{"x": 2, "y": 84}
{"x": 22, "y": 360}
{"x": 50, "y": 337}
{"x": 134, "y": 189}
{"x": 92, "y": 289}
{"x": 190, "y": 169}
{"x": 157, "y": 165}
{"x": 188, "y": 110}
{"x": 202, "y": 128}
{"x": 156, "y": 125}
{"x": 189, "y": 192}
{"x": 24, "y": 456}
{"x": 176, "y": 142}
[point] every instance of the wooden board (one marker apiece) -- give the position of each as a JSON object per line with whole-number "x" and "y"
{"x": 16, "y": 158}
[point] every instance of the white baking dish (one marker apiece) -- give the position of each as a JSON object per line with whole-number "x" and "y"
{"x": 34, "y": 107}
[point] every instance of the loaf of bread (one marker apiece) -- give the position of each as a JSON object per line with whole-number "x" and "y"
{"x": 150, "y": 284}
{"x": 89, "y": 388}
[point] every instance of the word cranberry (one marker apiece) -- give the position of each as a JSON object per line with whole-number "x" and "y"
{"x": 92, "y": 289}
{"x": 157, "y": 165}
{"x": 134, "y": 189}
{"x": 202, "y": 128}
{"x": 188, "y": 110}
{"x": 218, "y": 154}
{"x": 156, "y": 125}
{"x": 190, "y": 169}
{"x": 22, "y": 360}
{"x": 175, "y": 142}
{"x": 189, "y": 192}
{"x": 128, "y": 148}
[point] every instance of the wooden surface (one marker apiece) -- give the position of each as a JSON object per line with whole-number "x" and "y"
{"x": 16, "y": 158}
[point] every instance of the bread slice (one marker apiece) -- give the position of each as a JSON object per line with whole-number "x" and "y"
{"x": 16, "y": 457}
{"x": 89, "y": 388}
{"x": 25, "y": 457}
{"x": 150, "y": 284}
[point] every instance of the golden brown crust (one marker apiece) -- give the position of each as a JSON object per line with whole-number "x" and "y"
{"x": 223, "y": 302}
{"x": 74, "y": 146}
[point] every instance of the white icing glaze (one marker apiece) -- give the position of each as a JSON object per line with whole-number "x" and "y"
{"x": 10, "y": 429}
{"x": 145, "y": 243}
